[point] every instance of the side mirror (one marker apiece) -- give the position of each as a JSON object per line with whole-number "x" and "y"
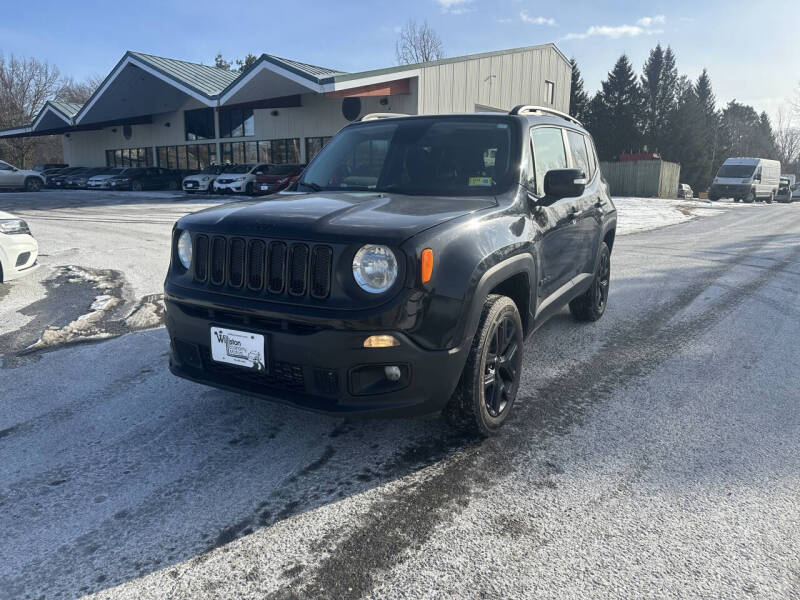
{"x": 564, "y": 183}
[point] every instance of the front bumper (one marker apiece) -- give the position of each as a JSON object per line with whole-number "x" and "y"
{"x": 18, "y": 254}
{"x": 729, "y": 190}
{"x": 236, "y": 187}
{"x": 98, "y": 185}
{"x": 197, "y": 186}
{"x": 321, "y": 369}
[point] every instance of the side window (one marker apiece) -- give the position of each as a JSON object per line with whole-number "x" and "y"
{"x": 592, "y": 156}
{"x": 530, "y": 173}
{"x": 4, "y": 166}
{"x": 548, "y": 153}
{"x": 580, "y": 156}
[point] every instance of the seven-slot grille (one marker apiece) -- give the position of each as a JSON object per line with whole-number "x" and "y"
{"x": 273, "y": 266}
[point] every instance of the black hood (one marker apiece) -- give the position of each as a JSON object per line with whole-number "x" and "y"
{"x": 340, "y": 216}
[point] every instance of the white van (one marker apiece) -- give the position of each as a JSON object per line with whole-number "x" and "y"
{"x": 748, "y": 179}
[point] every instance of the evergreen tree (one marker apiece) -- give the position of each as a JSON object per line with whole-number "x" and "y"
{"x": 765, "y": 138}
{"x": 616, "y": 112}
{"x": 659, "y": 80}
{"x": 578, "y": 98}
{"x": 685, "y": 143}
{"x": 710, "y": 132}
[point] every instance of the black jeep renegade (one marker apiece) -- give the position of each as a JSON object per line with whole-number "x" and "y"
{"x": 403, "y": 273}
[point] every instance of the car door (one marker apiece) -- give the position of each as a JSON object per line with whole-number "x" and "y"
{"x": 587, "y": 215}
{"x": 557, "y": 246}
{"x": 6, "y": 175}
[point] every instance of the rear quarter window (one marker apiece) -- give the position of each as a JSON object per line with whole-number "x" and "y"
{"x": 579, "y": 153}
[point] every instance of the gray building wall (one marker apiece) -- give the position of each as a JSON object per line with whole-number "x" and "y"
{"x": 498, "y": 80}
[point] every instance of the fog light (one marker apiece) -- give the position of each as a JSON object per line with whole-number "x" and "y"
{"x": 381, "y": 341}
{"x": 392, "y": 373}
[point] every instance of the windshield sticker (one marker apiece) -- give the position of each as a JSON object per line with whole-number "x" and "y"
{"x": 480, "y": 181}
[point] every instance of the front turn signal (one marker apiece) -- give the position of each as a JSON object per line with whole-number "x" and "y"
{"x": 427, "y": 265}
{"x": 381, "y": 341}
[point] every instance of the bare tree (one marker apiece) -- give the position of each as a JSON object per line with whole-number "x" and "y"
{"x": 787, "y": 136}
{"x": 418, "y": 43}
{"x": 25, "y": 85}
{"x": 78, "y": 91}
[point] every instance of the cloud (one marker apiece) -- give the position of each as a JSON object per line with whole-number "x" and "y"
{"x": 644, "y": 26}
{"x": 648, "y": 22}
{"x": 455, "y": 7}
{"x": 526, "y": 18}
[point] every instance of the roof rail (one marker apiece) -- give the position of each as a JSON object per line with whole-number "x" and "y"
{"x": 528, "y": 109}
{"x": 376, "y": 116}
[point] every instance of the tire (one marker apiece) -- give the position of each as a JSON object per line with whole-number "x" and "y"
{"x": 248, "y": 189}
{"x": 750, "y": 198}
{"x": 33, "y": 184}
{"x": 490, "y": 380}
{"x": 136, "y": 186}
{"x": 771, "y": 198}
{"x": 591, "y": 305}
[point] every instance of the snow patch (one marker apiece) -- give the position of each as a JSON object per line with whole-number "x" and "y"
{"x": 643, "y": 214}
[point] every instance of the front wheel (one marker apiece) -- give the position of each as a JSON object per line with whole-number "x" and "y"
{"x": 771, "y": 198}
{"x": 750, "y": 198}
{"x": 591, "y": 305}
{"x": 490, "y": 380}
{"x": 33, "y": 184}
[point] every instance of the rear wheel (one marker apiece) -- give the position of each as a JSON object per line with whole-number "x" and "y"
{"x": 771, "y": 198}
{"x": 490, "y": 380}
{"x": 751, "y": 197}
{"x": 33, "y": 184}
{"x": 591, "y": 305}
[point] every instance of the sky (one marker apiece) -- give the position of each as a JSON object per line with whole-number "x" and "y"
{"x": 751, "y": 49}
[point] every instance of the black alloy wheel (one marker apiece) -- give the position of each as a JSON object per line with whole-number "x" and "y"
{"x": 33, "y": 184}
{"x": 490, "y": 380}
{"x": 591, "y": 305}
{"x": 501, "y": 366}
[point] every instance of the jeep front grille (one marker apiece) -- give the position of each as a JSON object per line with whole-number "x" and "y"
{"x": 272, "y": 267}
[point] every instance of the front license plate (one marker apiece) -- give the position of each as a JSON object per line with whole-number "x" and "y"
{"x": 240, "y": 348}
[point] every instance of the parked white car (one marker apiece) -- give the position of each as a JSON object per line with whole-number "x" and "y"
{"x": 18, "y": 248}
{"x": 204, "y": 180}
{"x": 796, "y": 192}
{"x": 101, "y": 182}
{"x": 13, "y": 178}
{"x": 240, "y": 179}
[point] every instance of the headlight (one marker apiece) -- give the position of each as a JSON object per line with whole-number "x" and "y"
{"x": 745, "y": 181}
{"x": 374, "y": 268}
{"x": 185, "y": 250}
{"x": 206, "y": 178}
{"x": 12, "y": 226}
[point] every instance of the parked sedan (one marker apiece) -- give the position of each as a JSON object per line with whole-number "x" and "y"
{"x": 277, "y": 178}
{"x": 100, "y": 181}
{"x": 145, "y": 178}
{"x": 240, "y": 178}
{"x": 13, "y": 178}
{"x": 18, "y": 248}
{"x": 59, "y": 179}
{"x": 79, "y": 181}
{"x": 204, "y": 180}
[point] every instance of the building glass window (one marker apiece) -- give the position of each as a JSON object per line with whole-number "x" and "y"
{"x": 130, "y": 157}
{"x": 236, "y": 122}
{"x": 265, "y": 151}
{"x": 199, "y": 124}
{"x": 314, "y": 145}
{"x": 549, "y": 92}
{"x": 189, "y": 157}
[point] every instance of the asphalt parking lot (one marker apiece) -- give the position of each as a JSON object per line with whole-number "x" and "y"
{"x": 653, "y": 453}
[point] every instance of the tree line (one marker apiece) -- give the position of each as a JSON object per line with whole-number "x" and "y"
{"x": 663, "y": 112}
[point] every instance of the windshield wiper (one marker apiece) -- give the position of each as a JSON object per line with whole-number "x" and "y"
{"x": 313, "y": 186}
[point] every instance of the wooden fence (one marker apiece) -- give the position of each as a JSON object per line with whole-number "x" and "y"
{"x": 644, "y": 178}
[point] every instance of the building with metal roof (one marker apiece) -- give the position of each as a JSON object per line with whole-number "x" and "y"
{"x": 152, "y": 110}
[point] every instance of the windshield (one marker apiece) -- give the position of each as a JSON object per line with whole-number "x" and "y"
{"x": 240, "y": 168}
{"x": 112, "y": 172}
{"x": 465, "y": 156}
{"x": 736, "y": 171}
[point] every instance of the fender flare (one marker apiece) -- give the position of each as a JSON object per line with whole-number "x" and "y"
{"x": 520, "y": 263}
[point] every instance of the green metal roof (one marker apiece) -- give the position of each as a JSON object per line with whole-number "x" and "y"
{"x": 312, "y": 72}
{"x": 207, "y": 80}
{"x": 68, "y": 109}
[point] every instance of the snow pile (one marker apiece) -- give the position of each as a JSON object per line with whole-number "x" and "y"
{"x": 643, "y": 214}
